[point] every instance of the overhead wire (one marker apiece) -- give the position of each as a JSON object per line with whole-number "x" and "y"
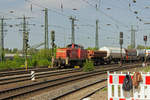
{"x": 110, "y": 17}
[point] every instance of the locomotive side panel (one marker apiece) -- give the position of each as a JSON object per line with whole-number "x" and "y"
{"x": 83, "y": 54}
{"x": 61, "y": 53}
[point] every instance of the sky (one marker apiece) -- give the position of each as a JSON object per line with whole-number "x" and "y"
{"x": 114, "y": 16}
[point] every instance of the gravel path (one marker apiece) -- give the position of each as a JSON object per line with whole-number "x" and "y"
{"x": 52, "y": 94}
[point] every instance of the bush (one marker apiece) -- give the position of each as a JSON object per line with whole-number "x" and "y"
{"x": 88, "y": 66}
{"x": 43, "y": 62}
{"x": 38, "y": 58}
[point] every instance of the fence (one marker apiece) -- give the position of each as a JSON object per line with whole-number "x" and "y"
{"x": 115, "y": 91}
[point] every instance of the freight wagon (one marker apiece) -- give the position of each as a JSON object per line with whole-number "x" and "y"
{"x": 76, "y": 55}
{"x": 113, "y": 54}
{"x": 97, "y": 56}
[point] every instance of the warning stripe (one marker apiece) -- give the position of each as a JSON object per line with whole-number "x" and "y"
{"x": 121, "y": 78}
{"x": 147, "y": 80}
{"x": 110, "y": 79}
{"x": 121, "y": 99}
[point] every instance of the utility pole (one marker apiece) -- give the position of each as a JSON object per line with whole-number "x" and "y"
{"x": 25, "y": 32}
{"x": 2, "y": 24}
{"x": 73, "y": 29}
{"x": 25, "y": 38}
{"x": 25, "y": 35}
{"x": 132, "y": 37}
{"x": 2, "y": 40}
{"x": 46, "y": 46}
{"x": 96, "y": 36}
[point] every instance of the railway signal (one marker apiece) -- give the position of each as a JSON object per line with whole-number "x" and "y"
{"x": 53, "y": 38}
{"x": 26, "y": 39}
{"x": 53, "y": 45}
{"x": 134, "y": 1}
{"x": 145, "y": 40}
{"x": 121, "y": 43}
{"x": 121, "y": 38}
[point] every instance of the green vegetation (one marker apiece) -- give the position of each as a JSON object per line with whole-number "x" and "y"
{"x": 139, "y": 47}
{"x": 89, "y": 48}
{"x": 146, "y": 69}
{"x": 40, "y": 57}
{"x": 104, "y": 89}
{"x": 11, "y": 64}
{"x": 88, "y": 66}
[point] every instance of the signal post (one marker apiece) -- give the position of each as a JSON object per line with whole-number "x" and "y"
{"x": 53, "y": 46}
{"x": 145, "y": 40}
{"x": 121, "y": 43}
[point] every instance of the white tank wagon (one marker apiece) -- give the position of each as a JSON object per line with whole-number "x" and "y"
{"x": 140, "y": 54}
{"x": 148, "y": 53}
{"x": 113, "y": 53}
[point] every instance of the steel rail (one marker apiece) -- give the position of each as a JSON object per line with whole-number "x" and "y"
{"x": 55, "y": 82}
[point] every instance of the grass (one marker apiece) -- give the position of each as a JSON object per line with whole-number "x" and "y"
{"x": 146, "y": 69}
{"x": 88, "y": 66}
{"x": 40, "y": 58}
{"x": 104, "y": 89}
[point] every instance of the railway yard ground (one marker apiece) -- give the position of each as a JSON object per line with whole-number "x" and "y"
{"x": 74, "y": 50}
{"x": 66, "y": 84}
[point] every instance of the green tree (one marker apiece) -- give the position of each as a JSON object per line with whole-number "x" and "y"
{"x": 90, "y": 48}
{"x": 15, "y": 50}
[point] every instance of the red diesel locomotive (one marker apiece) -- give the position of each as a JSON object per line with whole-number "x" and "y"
{"x": 72, "y": 55}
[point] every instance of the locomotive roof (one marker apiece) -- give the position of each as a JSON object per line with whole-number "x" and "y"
{"x": 75, "y": 45}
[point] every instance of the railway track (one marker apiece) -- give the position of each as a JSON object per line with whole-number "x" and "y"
{"x": 99, "y": 81}
{"x": 91, "y": 84}
{"x": 36, "y": 86}
{"x": 39, "y": 74}
{"x": 90, "y": 94}
{"x": 19, "y": 72}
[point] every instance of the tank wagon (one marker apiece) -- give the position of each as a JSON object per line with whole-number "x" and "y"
{"x": 113, "y": 54}
{"x": 147, "y": 53}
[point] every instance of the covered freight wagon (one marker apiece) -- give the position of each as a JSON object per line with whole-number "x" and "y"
{"x": 131, "y": 55}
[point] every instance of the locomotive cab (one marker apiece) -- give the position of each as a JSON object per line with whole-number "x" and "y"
{"x": 75, "y": 46}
